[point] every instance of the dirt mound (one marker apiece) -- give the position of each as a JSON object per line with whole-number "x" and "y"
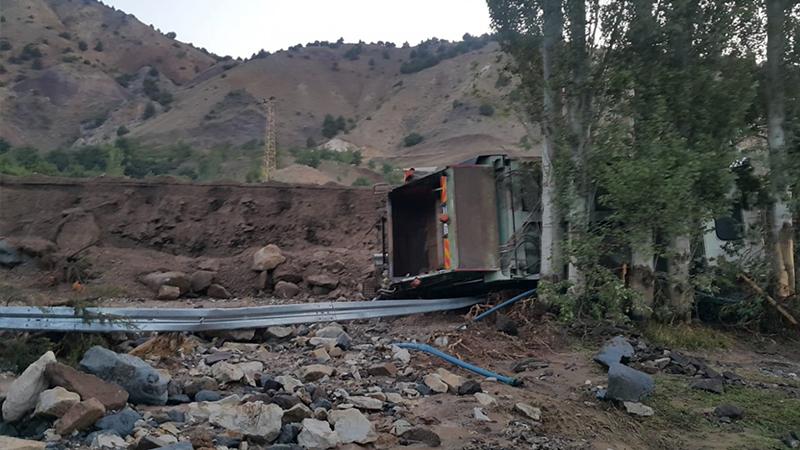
{"x": 297, "y": 173}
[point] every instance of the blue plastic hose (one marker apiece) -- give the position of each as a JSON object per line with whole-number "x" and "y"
{"x": 508, "y": 302}
{"x": 453, "y": 360}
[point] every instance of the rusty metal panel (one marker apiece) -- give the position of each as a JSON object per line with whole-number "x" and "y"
{"x": 475, "y": 219}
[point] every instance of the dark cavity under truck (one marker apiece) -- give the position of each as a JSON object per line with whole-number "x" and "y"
{"x": 467, "y": 228}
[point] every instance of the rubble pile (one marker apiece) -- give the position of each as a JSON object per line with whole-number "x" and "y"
{"x": 285, "y": 387}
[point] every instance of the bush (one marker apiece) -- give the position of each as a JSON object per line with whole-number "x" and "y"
{"x": 171, "y": 35}
{"x": 149, "y": 111}
{"x": 125, "y": 79}
{"x": 122, "y": 130}
{"x": 65, "y": 35}
{"x": 37, "y": 64}
{"x": 5, "y": 45}
{"x": 98, "y": 47}
{"x": 4, "y": 146}
{"x": 361, "y": 181}
{"x": 309, "y": 158}
{"x": 353, "y": 52}
{"x": 30, "y": 51}
{"x": 412, "y": 139}
{"x": 486, "y": 109}
{"x": 331, "y": 127}
{"x": 59, "y": 158}
{"x": 83, "y": 46}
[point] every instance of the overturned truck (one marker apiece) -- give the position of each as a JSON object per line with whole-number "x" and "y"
{"x": 466, "y": 228}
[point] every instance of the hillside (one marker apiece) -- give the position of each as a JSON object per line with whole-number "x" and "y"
{"x": 77, "y": 73}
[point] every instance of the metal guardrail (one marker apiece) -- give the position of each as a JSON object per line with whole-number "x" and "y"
{"x": 102, "y": 320}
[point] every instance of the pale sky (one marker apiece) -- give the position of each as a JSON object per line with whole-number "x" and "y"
{"x": 243, "y": 27}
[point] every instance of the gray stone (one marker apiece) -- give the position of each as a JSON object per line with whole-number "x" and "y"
{"x": 279, "y": 332}
{"x": 424, "y": 435}
{"x": 731, "y": 411}
{"x": 289, "y": 433}
{"x": 709, "y": 384}
{"x": 485, "y": 399}
{"x": 55, "y": 402}
{"x": 286, "y": 289}
{"x": 529, "y": 411}
{"x": 628, "y": 385}
{"x": 143, "y": 383}
{"x": 201, "y": 280}
{"x": 196, "y": 385}
{"x": 218, "y": 291}
{"x": 11, "y": 443}
{"x": 226, "y": 373}
{"x": 615, "y": 351}
{"x": 324, "y": 281}
{"x": 183, "y": 445}
{"x": 253, "y": 419}
{"x": 314, "y": 372}
{"x": 168, "y": 293}
{"x": 638, "y": 409}
{"x": 267, "y": 258}
{"x": 479, "y": 415}
{"x": 317, "y": 434}
{"x": 367, "y": 403}
{"x": 297, "y": 413}
{"x": 107, "y": 441}
{"x": 207, "y": 396}
{"x": 155, "y": 280}
{"x": 434, "y": 382}
{"x": 122, "y": 423}
{"x": 469, "y": 387}
{"x": 506, "y": 325}
{"x": 352, "y": 426}
{"x": 23, "y": 394}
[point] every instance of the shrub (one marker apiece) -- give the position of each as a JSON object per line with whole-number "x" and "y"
{"x": 58, "y": 158}
{"x": 122, "y": 130}
{"x": 149, "y": 111}
{"x": 361, "y": 181}
{"x": 353, "y": 52}
{"x": 30, "y": 51}
{"x": 37, "y": 64}
{"x": 98, "y": 47}
{"x": 83, "y": 46}
{"x": 171, "y": 35}
{"x": 5, "y": 45}
{"x": 125, "y": 79}
{"x": 65, "y": 35}
{"x": 70, "y": 58}
{"x": 309, "y": 158}
{"x": 486, "y": 109}
{"x": 2, "y": 69}
{"x": 4, "y": 146}
{"x": 412, "y": 139}
{"x": 310, "y": 142}
{"x": 331, "y": 127}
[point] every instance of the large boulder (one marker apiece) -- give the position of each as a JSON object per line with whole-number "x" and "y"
{"x": 155, "y": 280}
{"x": 80, "y": 416}
{"x": 267, "y": 258}
{"x": 628, "y": 385}
{"x": 23, "y": 394}
{"x": 11, "y": 443}
{"x": 143, "y": 383}
{"x": 55, "y": 402}
{"x": 252, "y": 419}
{"x": 615, "y": 351}
{"x": 86, "y": 385}
{"x": 122, "y": 423}
{"x": 317, "y": 434}
{"x": 352, "y": 426}
{"x": 201, "y": 280}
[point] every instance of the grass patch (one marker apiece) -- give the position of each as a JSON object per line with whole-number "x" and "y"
{"x": 769, "y": 414}
{"x": 18, "y": 351}
{"x": 687, "y": 337}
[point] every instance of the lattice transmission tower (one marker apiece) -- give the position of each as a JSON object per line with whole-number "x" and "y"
{"x": 270, "y": 163}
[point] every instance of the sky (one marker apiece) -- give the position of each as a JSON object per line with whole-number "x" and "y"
{"x": 243, "y": 27}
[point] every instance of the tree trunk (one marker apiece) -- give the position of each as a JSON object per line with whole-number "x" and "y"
{"x": 781, "y": 235}
{"x": 552, "y": 234}
{"x": 642, "y": 278}
{"x": 681, "y": 293}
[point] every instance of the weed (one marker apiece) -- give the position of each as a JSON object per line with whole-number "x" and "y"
{"x": 687, "y": 337}
{"x": 19, "y": 351}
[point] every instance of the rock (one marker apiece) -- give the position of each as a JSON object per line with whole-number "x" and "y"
{"x": 122, "y": 423}
{"x": 269, "y": 383}
{"x": 317, "y": 434}
{"x": 55, "y": 402}
{"x": 86, "y": 385}
{"x": 352, "y": 426}
{"x": 218, "y": 291}
{"x": 791, "y": 440}
{"x": 615, "y": 351}
{"x": 485, "y": 399}
{"x": 383, "y": 370}
{"x": 400, "y": 426}
{"x": 225, "y": 372}
{"x": 434, "y": 383}
{"x": 278, "y": 332}
{"x": 168, "y": 293}
{"x": 183, "y": 445}
{"x": 731, "y": 411}
{"x": 638, "y": 409}
{"x": 709, "y": 384}
{"x": 207, "y": 396}
{"x": 107, "y": 441}
{"x": 196, "y": 385}
{"x": 321, "y": 355}
{"x": 286, "y": 401}
{"x": 286, "y": 289}
{"x": 528, "y": 364}
{"x": 529, "y": 411}
{"x": 23, "y": 394}
{"x": 330, "y": 331}
{"x": 289, "y": 383}
{"x": 251, "y": 369}
{"x": 267, "y": 258}
{"x": 289, "y": 433}
{"x": 253, "y": 419}
{"x": 452, "y": 380}
{"x": 9, "y": 256}
{"x": 479, "y": 415}
{"x": 401, "y": 354}
{"x": 506, "y": 325}
{"x": 368, "y": 403}
{"x": 80, "y": 416}
{"x": 143, "y": 383}
{"x": 201, "y": 280}
{"x": 209, "y": 264}
{"x": 314, "y": 372}
{"x": 297, "y": 413}
{"x": 11, "y": 443}
{"x": 628, "y": 385}
{"x": 424, "y": 435}
{"x": 323, "y": 281}
{"x": 155, "y": 280}
{"x": 469, "y": 387}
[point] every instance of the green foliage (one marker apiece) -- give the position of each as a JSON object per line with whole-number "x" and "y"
{"x": 361, "y": 181}
{"x": 5, "y": 45}
{"x": 354, "y": 52}
{"x": 122, "y": 130}
{"x": 98, "y": 47}
{"x": 431, "y": 52}
{"x": 412, "y": 139}
{"x": 149, "y": 111}
{"x": 332, "y": 126}
{"x": 65, "y": 35}
{"x": 486, "y": 109}
{"x": 20, "y": 351}
{"x": 83, "y": 46}
{"x": 4, "y": 146}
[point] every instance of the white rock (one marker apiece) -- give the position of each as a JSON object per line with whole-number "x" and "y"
{"x": 451, "y": 379}
{"x": 55, "y": 402}
{"x": 314, "y": 372}
{"x": 480, "y": 415}
{"x": 401, "y": 354}
{"x": 10, "y": 443}
{"x": 352, "y": 426}
{"x": 529, "y": 411}
{"x": 331, "y": 332}
{"x": 23, "y": 394}
{"x": 268, "y": 258}
{"x": 485, "y": 399}
{"x": 108, "y": 441}
{"x": 401, "y": 426}
{"x": 289, "y": 383}
{"x": 317, "y": 434}
{"x": 225, "y": 372}
{"x": 251, "y": 419}
{"x": 368, "y": 403}
{"x": 250, "y": 369}
{"x": 638, "y": 409}
{"x": 434, "y": 381}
